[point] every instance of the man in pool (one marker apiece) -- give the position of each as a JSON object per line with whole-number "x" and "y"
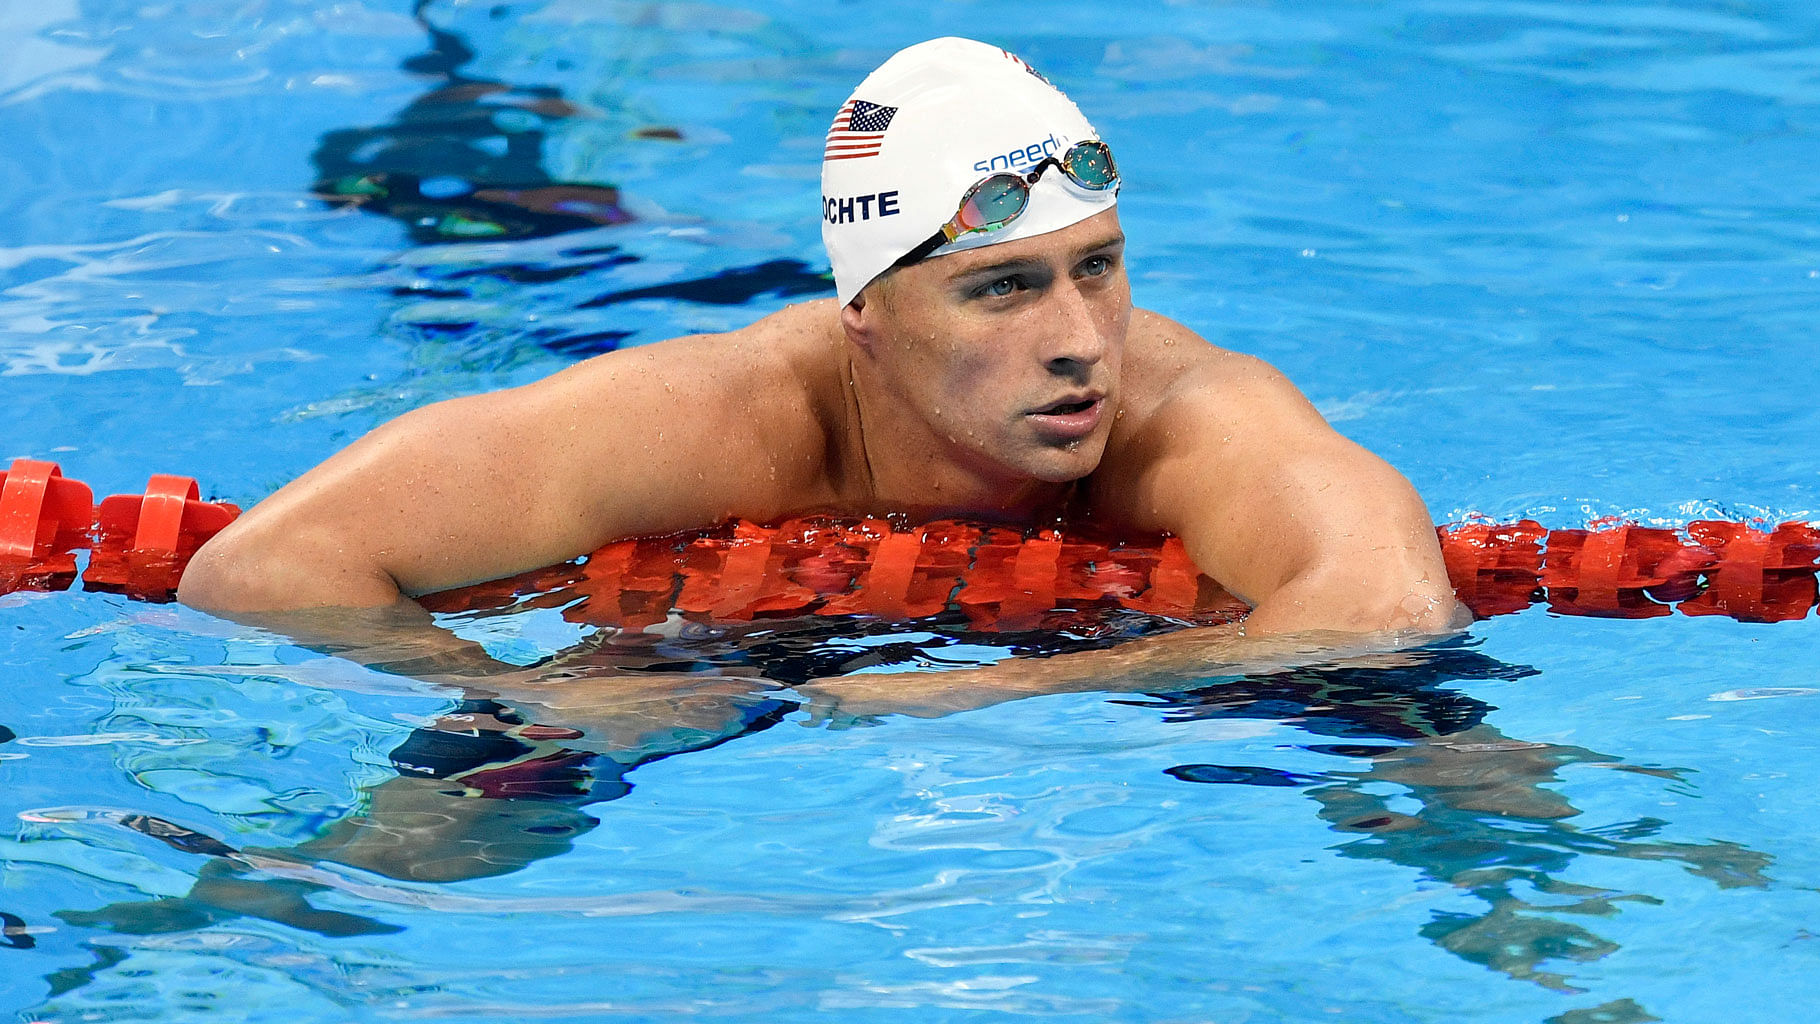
{"x": 982, "y": 359}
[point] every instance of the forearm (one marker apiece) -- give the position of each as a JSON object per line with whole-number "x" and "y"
{"x": 614, "y": 704}
{"x": 399, "y": 638}
{"x": 1167, "y": 662}
{"x": 1398, "y": 596}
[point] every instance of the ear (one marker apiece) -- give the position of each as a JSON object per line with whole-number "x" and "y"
{"x": 858, "y": 321}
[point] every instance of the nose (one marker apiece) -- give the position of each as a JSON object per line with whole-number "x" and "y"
{"x": 1077, "y": 334}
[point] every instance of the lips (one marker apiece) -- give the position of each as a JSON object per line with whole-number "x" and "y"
{"x": 1070, "y": 418}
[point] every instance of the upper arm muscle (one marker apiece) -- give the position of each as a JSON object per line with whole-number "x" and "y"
{"x": 646, "y": 440}
{"x": 1310, "y": 528}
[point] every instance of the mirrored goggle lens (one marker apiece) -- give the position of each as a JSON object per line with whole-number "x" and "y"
{"x": 993, "y": 202}
{"x": 1090, "y": 165}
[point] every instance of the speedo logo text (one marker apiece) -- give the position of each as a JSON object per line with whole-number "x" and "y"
{"x": 1019, "y": 157}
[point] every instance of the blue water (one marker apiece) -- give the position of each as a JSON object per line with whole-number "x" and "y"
{"x": 1554, "y": 260}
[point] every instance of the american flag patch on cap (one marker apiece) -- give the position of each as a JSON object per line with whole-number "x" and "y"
{"x": 1022, "y": 63}
{"x": 858, "y": 130}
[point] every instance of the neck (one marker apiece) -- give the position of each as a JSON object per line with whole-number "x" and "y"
{"x": 904, "y": 466}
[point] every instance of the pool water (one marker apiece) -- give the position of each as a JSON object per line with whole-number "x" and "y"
{"x": 1552, "y": 260}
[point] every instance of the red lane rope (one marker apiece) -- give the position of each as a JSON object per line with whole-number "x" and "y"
{"x": 139, "y": 543}
{"x": 1004, "y": 579}
{"x": 1000, "y": 578}
{"x": 43, "y": 515}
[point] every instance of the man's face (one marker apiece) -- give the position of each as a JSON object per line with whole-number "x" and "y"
{"x": 1010, "y": 353}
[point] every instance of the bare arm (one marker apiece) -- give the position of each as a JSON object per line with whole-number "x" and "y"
{"x": 1330, "y": 545}
{"x": 612, "y": 701}
{"x": 649, "y": 440}
{"x": 1166, "y": 662}
{"x": 1315, "y": 532}
{"x": 645, "y": 441}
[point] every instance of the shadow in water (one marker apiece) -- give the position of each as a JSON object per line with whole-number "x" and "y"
{"x": 495, "y": 785}
{"x": 492, "y": 786}
{"x": 480, "y": 793}
{"x": 1484, "y": 818}
{"x": 464, "y": 163}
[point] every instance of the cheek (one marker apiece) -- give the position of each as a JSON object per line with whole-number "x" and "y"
{"x": 959, "y": 373}
{"x": 942, "y": 363}
{"x": 983, "y": 375}
{"x": 960, "y": 388}
{"x": 1115, "y": 306}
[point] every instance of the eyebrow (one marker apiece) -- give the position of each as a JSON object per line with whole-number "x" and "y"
{"x": 1109, "y": 242}
{"x": 998, "y": 269}
{"x": 1026, "y": 263}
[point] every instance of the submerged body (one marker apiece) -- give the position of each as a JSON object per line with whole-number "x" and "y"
{"x": 1014, "y": 382}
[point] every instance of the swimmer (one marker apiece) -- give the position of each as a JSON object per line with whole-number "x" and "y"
{"x": 981, "y": 359}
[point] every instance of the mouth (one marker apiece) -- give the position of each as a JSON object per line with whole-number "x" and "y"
{"x": 1067, "y": 408}
{"x": 1070, "y": 419}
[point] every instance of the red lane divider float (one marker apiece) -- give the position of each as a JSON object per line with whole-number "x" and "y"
{"x": 139, "y": 542}
{"x": 44, "y": 516}
{"x": 1001, "y": 578}
{"x": 998, "y": 577}
{"x": 1006, "y": 579}
{"x": 144, "y": 541}
{"x": 1633, "y": 572}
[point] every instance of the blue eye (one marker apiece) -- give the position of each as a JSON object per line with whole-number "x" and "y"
{"x": 1000, "y": 288}
{"x": 1097, "y": 266}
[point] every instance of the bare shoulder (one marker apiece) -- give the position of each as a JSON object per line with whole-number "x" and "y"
{"x": 649, "y": 439}
{"x": 766, "y": 382}
{"x": 774, "y": 357}
{"x": 752, "y": 407}
{"x": 1194, "y": 413}
{"x": 1222, "y": 450}
{"x": 1171, "y": 371}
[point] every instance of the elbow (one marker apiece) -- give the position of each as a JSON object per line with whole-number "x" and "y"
{"x": 1352, "y": 602}
{"x": 1427, "y": 608}
{"x": 242, "y": 569}
{"x": 224, "y": 577}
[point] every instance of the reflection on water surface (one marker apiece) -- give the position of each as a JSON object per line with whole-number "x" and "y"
{"x": 487, "y": 789}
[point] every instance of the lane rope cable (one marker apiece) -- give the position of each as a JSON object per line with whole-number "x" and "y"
{"x": 1001, "y": 578}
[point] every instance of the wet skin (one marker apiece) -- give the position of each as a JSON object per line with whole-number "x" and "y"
{"x": 994, "y": 372}
{"x": 1011, "y": 382}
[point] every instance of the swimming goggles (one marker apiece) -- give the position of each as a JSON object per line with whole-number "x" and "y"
{"x": 996, "y": 201}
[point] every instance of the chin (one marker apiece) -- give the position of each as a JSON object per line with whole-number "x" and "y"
{"x": 1061, "y": 466}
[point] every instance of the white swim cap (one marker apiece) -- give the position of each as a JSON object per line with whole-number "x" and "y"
{"x": 921, "y": 130}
